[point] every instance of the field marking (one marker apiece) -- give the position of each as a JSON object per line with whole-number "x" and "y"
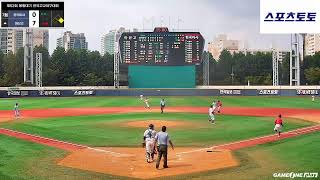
{"x": 41, "y": 137}
{"x": 116, "y": 154}
{"x": 68, "y": 143}
{"x": 300, "y": 131}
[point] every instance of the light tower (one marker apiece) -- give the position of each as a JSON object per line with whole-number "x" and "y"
{"x": 28, "y": 57}
{"x": 275, "y": 67}
{"x": 206, "y": 68}
{"x": 294, "y": 61}
{"x": 116, "y": 63}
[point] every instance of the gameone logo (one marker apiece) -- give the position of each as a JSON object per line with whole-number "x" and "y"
{"x": 289, "y": 16}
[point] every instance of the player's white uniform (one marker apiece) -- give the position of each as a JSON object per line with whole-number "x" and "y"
{"x": 214, "y": 105}
{"x": 141, "y": 97}
{"x": 147, "y": 103}
{"x": 149, "y": 135}
{"x": 313, "y": 98}
{"x": 211, "y": 114}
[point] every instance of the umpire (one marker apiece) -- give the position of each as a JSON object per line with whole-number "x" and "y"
{"x": 162, "y": 139}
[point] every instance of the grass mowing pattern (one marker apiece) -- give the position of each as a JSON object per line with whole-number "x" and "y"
{"x": 76, "y": 102}
{"x": 104, "y": 130}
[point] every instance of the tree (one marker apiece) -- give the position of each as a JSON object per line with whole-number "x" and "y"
{"x": 313, "y": 75}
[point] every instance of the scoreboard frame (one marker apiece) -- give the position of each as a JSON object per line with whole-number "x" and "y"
{"x": 32, "y": 14}
{"x": 171, "y": 61}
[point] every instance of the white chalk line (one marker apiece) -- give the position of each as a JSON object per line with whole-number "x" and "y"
{"x": 64, "y": 142}
{"x": 300, "y": 131}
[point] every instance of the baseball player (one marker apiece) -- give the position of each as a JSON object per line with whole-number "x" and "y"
{"x": 149, "y": 139}
{"x": 16, "y": 111}
{"x": 219, "y": 105}
{"x": 211, "y": 114}
{"x": 278, "y": 125}
{"x": 146, "y": 102}
{"x": 162, "y": 105}
{"x": 141, "y": 97}
{"x": 313, "y": 98}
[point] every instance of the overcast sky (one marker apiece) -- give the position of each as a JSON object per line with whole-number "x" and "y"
{"x": 239, "y": 19}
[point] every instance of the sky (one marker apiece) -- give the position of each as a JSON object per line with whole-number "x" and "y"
{"x": 239, "y": 19}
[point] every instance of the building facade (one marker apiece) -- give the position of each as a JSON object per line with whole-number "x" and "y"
{"x": 72, "y": 41}
{"x": 311, "y": 44}
{"x": 14, "y": 39}
{"x": 220, "y": 43}
{"x": 109, "y": 40}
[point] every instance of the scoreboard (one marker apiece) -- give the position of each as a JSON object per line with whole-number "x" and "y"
{"x": 32, "y": 14}
{"x": 161, "y": 48}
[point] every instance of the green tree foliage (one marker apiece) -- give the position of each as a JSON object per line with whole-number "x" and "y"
{"x": 313, "y": 75}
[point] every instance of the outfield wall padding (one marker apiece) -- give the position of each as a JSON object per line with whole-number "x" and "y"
{"x": 158, "y": 92}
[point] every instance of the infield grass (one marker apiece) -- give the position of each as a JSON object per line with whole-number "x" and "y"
{"x": 109, "y": 130}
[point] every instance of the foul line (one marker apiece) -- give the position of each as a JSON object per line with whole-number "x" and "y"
{"x": 295, "y": 131}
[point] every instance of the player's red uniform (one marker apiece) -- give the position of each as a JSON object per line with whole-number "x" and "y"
{"x": 278, "y": 121}
{"x": 219, "y": 105}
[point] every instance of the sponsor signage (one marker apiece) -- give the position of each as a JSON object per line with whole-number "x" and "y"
{"x": 268, "y": 92}
{"x": 230, "y": 92}
{"x": 84, "y": 93}
{"x": 289, "y": 16}
{"x": 307, "y": 92}
{"x": 50, "y": 93}
{"x": 17, "y": 93}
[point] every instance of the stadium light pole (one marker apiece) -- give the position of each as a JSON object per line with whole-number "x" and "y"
{"x": 232, "y": 74}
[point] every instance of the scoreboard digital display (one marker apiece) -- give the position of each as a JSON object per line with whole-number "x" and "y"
{"x": 33, "y": 14}
{"x": 161, "y": 48}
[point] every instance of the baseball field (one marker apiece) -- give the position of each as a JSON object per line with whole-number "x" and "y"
{"x": 100, "y": 138}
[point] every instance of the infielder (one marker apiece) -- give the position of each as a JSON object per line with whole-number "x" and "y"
{"x": 146, "y": 102}
{"x": 149, "y": 139}
{"x": 162, "y": 105}
{"x": 211, "y": 114}
{"x": 141, "y": 97}
{"x": 278, "y": 125}
{"x": 219, "y": 105}
{"x": 16, "y": 111}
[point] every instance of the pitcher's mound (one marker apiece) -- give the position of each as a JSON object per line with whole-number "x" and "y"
{"x": 157, "y": 123}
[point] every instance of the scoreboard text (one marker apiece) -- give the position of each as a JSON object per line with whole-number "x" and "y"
{"x": 32, "y": 14}
{"x": 161, "y": 48}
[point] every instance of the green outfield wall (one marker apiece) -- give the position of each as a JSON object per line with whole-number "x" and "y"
{"x": 162, "y": 76}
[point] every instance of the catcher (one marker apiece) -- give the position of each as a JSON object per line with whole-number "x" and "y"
{"x": 149, "y": 143}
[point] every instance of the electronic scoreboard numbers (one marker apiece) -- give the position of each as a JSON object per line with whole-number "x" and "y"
{"x": 161, "y": 48}
{"x": 32, "y": 14}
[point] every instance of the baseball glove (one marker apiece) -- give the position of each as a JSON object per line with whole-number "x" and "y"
{"x": 143, "y": 144}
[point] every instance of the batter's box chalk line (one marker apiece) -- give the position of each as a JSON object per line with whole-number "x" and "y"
{"x": 114, "y": 154}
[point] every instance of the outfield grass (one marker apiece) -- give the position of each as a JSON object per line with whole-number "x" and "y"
{"x": 63, "y": 102}
{"x": 23, "y": 160}
{"x": 298, "y": 154}
{"x": 104, "y": 130}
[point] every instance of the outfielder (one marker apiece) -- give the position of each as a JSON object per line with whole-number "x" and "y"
{"x": 16, "y": 111}
{"x": 149, "y": 139}
{"x": 278, "y": 125}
